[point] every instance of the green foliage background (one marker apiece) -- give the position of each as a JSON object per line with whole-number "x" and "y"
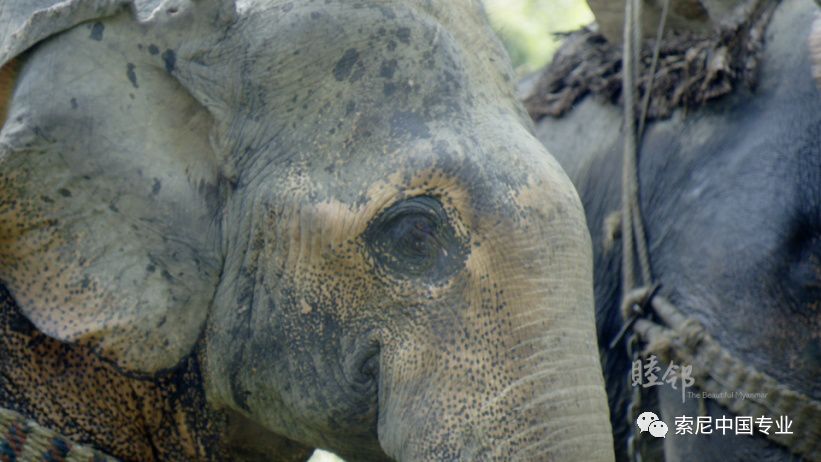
{"x": 526, "y": 28}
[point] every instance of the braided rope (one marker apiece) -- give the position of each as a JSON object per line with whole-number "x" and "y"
{"x": 715, "y": 371}
{"x": 632, "y": 221}
{"x": 23, "y": 440}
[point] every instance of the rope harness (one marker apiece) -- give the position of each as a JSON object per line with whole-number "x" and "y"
{"x": 677, "y": 337}
{"x": 23, "y": 440}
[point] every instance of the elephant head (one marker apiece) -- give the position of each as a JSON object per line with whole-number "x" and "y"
{"x": 338, "y": 207}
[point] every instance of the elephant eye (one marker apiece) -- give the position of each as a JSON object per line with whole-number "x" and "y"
{"x": 414, "y": 238}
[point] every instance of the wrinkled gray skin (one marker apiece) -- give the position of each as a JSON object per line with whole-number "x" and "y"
{"x": 341, "y": 200}
{"x": 731, "y": 197}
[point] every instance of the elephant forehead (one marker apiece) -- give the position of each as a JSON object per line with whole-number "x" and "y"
{"x": 325, "y": 81}
{"x": 339, "y": 45}
{"x": 484, "y": 179}
{"x": 314, "y": 31}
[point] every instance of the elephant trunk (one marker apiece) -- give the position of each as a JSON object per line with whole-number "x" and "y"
{"x": 514, "y": 375}
{"x": 547, "y": 407}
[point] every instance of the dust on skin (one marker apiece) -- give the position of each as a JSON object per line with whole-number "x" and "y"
{"x": 96, "y": 403}
{"x": 164, "y": 417}
{"x": 34, "y": 254}
{"x": 67, "y": 387}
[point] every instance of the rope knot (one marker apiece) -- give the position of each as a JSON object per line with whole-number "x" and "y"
{"x": 636, "y": 302}
{"x": 691, "y": 333}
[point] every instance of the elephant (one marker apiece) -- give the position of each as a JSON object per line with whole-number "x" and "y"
{"x": 729, "y": 194}
{"x": 245, "y": 230}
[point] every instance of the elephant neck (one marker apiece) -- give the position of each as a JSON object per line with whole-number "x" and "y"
{"x": 82, "y": 398}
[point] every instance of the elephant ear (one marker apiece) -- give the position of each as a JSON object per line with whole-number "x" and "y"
{"x": 109, "y": 188}
{"x": 26, "y": 22}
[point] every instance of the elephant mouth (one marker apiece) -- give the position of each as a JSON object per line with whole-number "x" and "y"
{"x": 363, "y": 373}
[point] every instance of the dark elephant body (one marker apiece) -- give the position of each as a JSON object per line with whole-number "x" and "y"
{"x": 731, "y": 198}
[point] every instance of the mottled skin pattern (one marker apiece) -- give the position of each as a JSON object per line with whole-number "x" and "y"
{"x": 163, "y": 418}
{"x": 732, "y": 204}
{"x": 71, "y": 391}
{"x": 240, "y": 234}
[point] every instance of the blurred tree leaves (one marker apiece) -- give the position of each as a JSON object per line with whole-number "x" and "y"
{"x": 526, "y": 27}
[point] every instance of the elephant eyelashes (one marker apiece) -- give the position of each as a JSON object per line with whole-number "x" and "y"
{"x": 415, "y": 239}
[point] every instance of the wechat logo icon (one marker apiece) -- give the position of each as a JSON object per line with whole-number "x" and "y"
{"x": 650, "y": 422}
